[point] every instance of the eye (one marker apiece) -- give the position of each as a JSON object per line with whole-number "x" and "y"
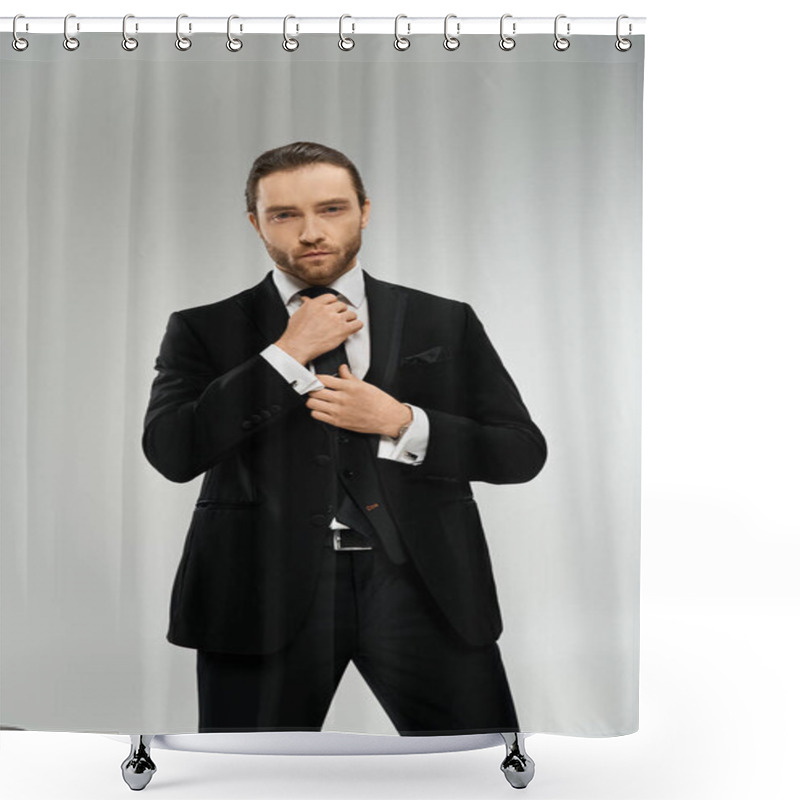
{"x": 333, "y": 209}
{"x": 282, "y": 215}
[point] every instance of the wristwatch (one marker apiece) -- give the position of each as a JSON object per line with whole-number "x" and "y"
{"x": 404, "y": 428}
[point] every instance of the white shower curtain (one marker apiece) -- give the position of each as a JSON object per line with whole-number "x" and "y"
{"x": 510, "y": 181}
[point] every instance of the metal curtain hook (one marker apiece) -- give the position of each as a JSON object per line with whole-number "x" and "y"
{"x": 400, "y": 42}
{"x": 507, "y": 42}
{"x": 561, "y": 43}
{"x": 233, "y": 44}
{"x": 70, "y": 42}
{"x": 181, "y": 41}
{"x": 18, "y": 43}
{"x": 451, "y": 42}
{"x": 623, "y": 45}
{"x": 128, "y": 42}
{"x": 346, "y": 43}
{"x": 290, "y": 44}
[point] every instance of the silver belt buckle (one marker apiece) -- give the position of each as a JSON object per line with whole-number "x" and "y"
{"x": 339, "y": 547}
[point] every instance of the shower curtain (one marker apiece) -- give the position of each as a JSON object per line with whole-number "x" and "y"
{"x": 504, "y": 192}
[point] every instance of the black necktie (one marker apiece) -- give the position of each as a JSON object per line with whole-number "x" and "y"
{"x": 327, "y": 363}
{"x": 356, "y": 454}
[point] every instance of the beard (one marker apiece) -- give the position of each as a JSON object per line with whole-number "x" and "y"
{"x": 318, "y": 274}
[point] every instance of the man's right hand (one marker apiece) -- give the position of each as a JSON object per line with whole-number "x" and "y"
{"x": 319, "y": 325}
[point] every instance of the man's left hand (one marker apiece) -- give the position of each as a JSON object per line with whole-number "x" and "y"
{"x": 351, "y": 403}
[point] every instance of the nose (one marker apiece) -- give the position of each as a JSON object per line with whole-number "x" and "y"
{"x": 311, "y": 232}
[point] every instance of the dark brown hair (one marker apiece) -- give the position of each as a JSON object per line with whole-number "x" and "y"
{"x": 294, "y": 156}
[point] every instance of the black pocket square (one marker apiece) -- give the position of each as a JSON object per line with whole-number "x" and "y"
{"x": 429, "y": 356}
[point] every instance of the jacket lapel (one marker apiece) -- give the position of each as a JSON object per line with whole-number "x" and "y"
{"x": 386, "y": 313}
{"x": 265, "y": 310}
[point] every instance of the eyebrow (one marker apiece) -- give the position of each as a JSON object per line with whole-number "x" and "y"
{"x": 334, "y": 201}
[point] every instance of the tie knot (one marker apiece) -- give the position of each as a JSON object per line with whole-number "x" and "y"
{"x": 316, "y": 291}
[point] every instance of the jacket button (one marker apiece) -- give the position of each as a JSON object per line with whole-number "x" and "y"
{"x": 266, "y": 413}
{"x": 275, "y": 408}
{"x": 255, "y": 419}
{"x": 247, "y": 424}
{"x": 322, "y": 460}
{"x": 319, "y": 520}
{"x": 343, "y": 438}
{"x": 349, "y": 473}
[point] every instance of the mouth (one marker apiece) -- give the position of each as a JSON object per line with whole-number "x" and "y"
{"x": 316, "y": 254}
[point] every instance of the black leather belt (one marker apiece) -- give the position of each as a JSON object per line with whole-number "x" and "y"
{"x": 345, "y": 540}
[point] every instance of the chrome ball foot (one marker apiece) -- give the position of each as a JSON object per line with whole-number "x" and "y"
{"x": 517, "y": 766}
{"x": 138, "y": 768}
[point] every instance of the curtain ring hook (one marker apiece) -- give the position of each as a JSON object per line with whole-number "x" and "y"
{"x": 18, "y": 43}
{"x": 290, "y": 44}
{"x": 451, "y": 42}
{"x": 70, "y": 42}
{"x": 129, "y": 43}
{"x": 401, "y": 42}
{"x": 623, "y": 45}
{"x": 561, "y": 43}
{"x": 345, "y": 42}
{"x": 182, "y": 42}
{"x": 233, "y": 44}
{"x": 507, "y": 42}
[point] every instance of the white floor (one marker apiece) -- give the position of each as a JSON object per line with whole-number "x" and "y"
{"x": 719, "y": 704}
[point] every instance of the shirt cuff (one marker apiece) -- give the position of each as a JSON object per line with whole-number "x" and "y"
{"x": 301, "y": 379}
{"x": 411, "y": 447}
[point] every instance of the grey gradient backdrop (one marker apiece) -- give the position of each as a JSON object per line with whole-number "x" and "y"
{"x": 509, "y": 180}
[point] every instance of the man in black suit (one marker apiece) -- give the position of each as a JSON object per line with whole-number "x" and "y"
{"x": 338, "y": 421}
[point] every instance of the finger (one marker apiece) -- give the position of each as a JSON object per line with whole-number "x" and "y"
{"x": 323, "y": 417}
{"x": 327, "y": 395}
{"x": 330, "y": 381}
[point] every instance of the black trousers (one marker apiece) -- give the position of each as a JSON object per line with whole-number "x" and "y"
{"x": 380, "y": 616}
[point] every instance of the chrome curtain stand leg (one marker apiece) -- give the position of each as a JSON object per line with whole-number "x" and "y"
{"x": 138, "y": 768}
{"x": 517, "y": 766}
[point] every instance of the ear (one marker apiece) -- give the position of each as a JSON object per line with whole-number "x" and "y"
{"x": 254, "y": 222}
{"x": 365, "y": 213}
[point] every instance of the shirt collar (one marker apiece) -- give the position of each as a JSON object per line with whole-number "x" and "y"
{"x": 350, "y": 285}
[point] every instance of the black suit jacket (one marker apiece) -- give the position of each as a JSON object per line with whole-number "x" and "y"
{"x": 253, "y": 549}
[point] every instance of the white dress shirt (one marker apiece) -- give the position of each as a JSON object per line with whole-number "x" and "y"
{"x": 411, "y": 447}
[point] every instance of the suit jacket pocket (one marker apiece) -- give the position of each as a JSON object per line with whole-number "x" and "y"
{"x": 433, "y": 355}
{"x": 227, "y": 504}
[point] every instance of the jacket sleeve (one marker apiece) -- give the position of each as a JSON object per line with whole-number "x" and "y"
{"x": 197, "y": 417}
{"x": 491, "y": 438}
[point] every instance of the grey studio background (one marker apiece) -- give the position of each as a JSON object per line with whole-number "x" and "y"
{"x": 507, "y": 180}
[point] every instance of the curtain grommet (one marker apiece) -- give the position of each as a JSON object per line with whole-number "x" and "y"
{"x": 622, "y": 44}
{"x": 70, "y": 43}
{"x": 451, "y": 42}
{"x": 290, "y": 44}
{"x": 561, "y": 43}
{"x": 233, "y": 44}
{"x": 507, "y": 42}
{"x": 401, "y": 43}
{"x": 345, "y": 42}
{"x": 17, "y": 42}
{"x": 183, "y": 43}
{"x": 129, "y": 43}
